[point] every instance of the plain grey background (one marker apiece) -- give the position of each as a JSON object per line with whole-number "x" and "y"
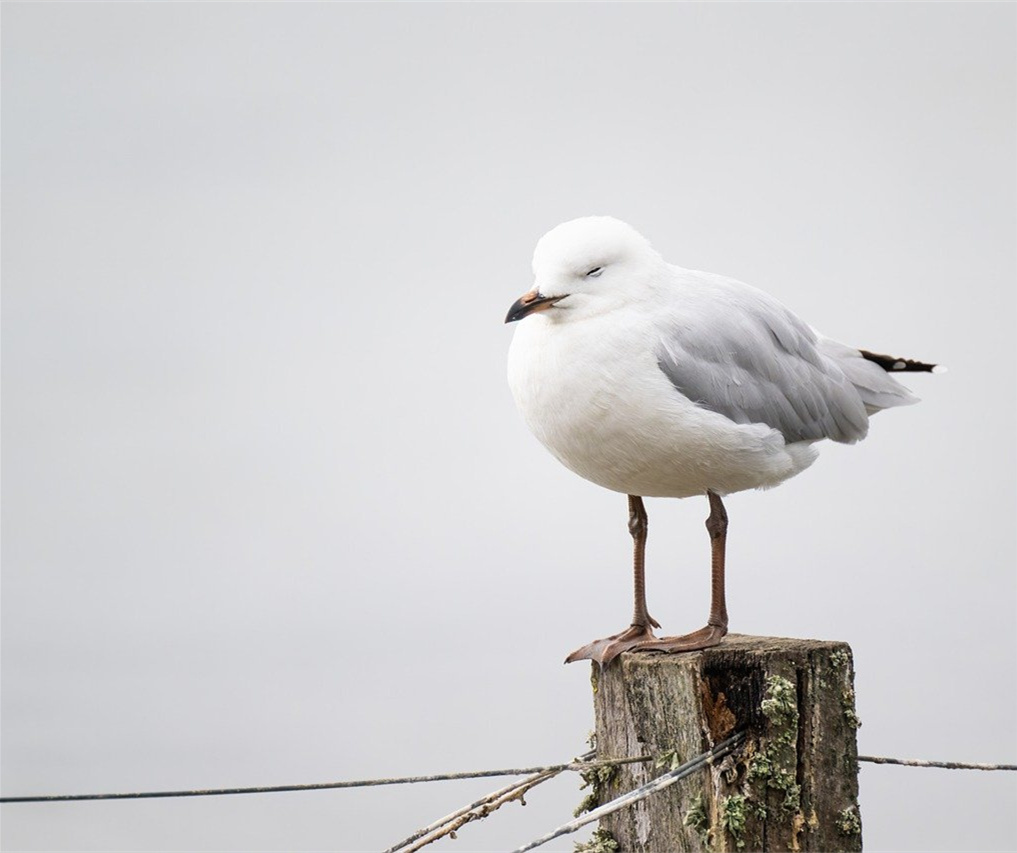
{"x": 270, "y": 515}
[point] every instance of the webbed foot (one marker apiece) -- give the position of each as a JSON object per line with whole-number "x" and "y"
{"x": 606, "y": 650}
{"x": 704, "y": 638}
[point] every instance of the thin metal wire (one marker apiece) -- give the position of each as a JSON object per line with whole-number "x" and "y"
{"x": 441, "y": 777}
{"x": 441, "y": 823}
{"x": 323, "y": 786}
{"x": 634, "y": 796}
{"x": 483, "y": 807}
{"x": 482, "y": 811}
{"x": 947, "y": 765}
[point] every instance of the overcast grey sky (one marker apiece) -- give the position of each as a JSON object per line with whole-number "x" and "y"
{"x": 269, "y": 513}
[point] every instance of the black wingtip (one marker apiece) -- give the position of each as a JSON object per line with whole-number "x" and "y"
{"x": 891, "y": 364}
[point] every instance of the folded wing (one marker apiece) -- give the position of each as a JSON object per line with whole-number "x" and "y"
{"x": 736, "y": 351}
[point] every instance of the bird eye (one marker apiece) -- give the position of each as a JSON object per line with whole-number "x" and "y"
{"x": 594, "y": 272}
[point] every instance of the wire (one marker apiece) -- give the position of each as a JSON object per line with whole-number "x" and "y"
{"x": 947, "y": 765}
{"x": 641, "y": 793}
{"x": 442, "y": 777}
{"x": 451, "y": 822}
{"x": 322, "y": 786}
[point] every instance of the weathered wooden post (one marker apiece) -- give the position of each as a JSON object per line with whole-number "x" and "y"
{"x": 793, "y": 785}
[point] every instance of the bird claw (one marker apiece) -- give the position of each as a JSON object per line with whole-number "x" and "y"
{"x": 640, "y": 638}
{"x": 606, "y": 650}
{"x": 704, "y": 638}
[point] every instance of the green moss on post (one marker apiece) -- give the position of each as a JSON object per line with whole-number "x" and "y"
{"x": 600, "y": 842}
{"x": 697, "y": 819}
{"x": 733, "y": 815}
{"x": 848, "y": 822}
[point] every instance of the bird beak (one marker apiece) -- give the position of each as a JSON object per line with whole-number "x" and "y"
{"x": 530, "y": 303}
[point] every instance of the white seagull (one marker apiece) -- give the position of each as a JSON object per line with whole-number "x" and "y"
{"x": 657, "y": 381}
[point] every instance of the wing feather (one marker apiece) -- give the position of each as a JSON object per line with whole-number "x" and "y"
{"x": 738, "y": 352}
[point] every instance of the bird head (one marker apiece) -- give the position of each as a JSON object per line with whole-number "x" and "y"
{"x": 586, "y": 266}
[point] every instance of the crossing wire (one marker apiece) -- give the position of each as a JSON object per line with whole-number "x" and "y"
{"x": 442, "y": 777}
{"x": 323, "y": 786}
{"x": 640, "y": 793}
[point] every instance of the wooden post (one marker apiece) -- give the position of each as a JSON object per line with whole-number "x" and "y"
{"x": 793, "y": 785}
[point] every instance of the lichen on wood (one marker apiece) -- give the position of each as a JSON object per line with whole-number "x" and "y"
{"x": 733, "y": 815}
{"x": 600, "y": 842}
{"x": 848, "y": 822}
{"x": 697, "y": 819}
{"x": 594, "y": 778}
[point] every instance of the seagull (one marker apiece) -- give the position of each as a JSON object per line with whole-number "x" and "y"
{"x": 656, "y": 381}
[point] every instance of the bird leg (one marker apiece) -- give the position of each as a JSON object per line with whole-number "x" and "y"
{"x": 716, "y": 627}
{"x": 638, "y": 526}
{"x": 605, "y": 650}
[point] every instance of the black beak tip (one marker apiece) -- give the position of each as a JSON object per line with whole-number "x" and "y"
{"x": 528, "y": 304}
{"x": 519, "y": 310}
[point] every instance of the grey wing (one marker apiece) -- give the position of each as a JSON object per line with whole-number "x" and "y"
{"x": 741, "y": 354}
